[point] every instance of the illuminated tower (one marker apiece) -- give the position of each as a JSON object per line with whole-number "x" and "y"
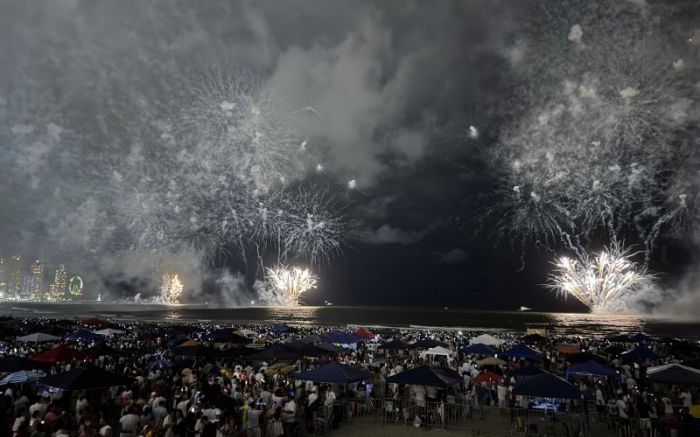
{"x": 59, "y": 286}
{"x": 3, "y": 278}
{"x": 14, "y": 283}
{"x": 38, "y": 280}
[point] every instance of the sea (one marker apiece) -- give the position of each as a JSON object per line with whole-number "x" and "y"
{"x": 371, "y": 317}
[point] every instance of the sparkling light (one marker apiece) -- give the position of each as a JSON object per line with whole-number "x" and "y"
{"x": 170, "y": 289}
{"x": 291, "y": 283}
{"x": 602, "y": 282}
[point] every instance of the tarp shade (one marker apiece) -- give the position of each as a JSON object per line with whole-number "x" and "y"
{"x": 429, "y": 376}
{"x": 334, "y": 373}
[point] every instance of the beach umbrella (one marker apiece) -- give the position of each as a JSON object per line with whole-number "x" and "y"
{"x": 21, "y": 377}
{"x": 639, "y": 337}
{"x": 94, "y": 322}
{"x": 312, "y": 338}
{"x": 428, "y": 343}
{"x": 614, "y": 349}
{"x": 280, "y": 327}
{"x": 109, "y": 332}
{"x": 546, "y": 385}
{"x": 334, "y": 373}
{"x": 526, "y": 372}
{"x": 486, "y": 339}
{"x": 523, "y": 351}
{"x": 235, "y": 352}
{"x": 428, "y": 376}
{"x": 567, "y": 349}
{"x": 395, "y": 345}
{"x": 622, "y": 338}
{"x": 327, "y": 347}
{"x": 490, "y": 361}
{"x": 486, "y": 377}
{"x": 275, "y": 352}
{"x": 83, "y": 335}
{"x": 582, "y": 357}
{"x": 59, "y": 354}
{"x": 195, "y": 351}
{"x": 590, "y": 368}
{"x": 341, "y": 337}
{"x": 227, "y": 335}
{"x": 84, "y": 378}
{"x": 13, "y": 363}
{"x": 364, "y": 333}
{"x": 641, "y": 353}
{"x": 306, "y": 349}
{"x": 479, "y": 349}
{"x": 674, "y": 374}
{"x": 37, "y": 337}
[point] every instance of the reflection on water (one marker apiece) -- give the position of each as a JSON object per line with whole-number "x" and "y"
{"x": 570, "y": 324}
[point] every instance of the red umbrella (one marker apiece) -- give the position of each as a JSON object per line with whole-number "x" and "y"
{"x": 486, "y": 377}
{"x": 58, "y": 354}
{"x": 94, "y": 321}
{"x": 362, "y": 332}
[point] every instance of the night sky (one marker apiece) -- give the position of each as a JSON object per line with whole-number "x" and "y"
{"x": 449, "y": 139}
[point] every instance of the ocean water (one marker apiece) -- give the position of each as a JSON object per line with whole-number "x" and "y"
{"x": 395, "y": 317}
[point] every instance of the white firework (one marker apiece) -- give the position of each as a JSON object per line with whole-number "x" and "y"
{"x": 603, "y": 282}
{"x": 291, "y": 282}
{"x": 170, "y": 289}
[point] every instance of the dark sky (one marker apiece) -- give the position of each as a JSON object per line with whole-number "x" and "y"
{"x": 90, "y": 93}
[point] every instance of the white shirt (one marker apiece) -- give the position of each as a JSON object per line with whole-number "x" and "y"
{"x": 687, "y": 398}
{"x": 621, "y": 408}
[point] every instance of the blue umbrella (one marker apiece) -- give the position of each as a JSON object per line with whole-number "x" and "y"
{"x": 479, "y": 349}
{"x": 528, "y": 371}
{"x": 523, "y": 351}
{"x": 334, "y": 373}
{"x": 395, "y": 345}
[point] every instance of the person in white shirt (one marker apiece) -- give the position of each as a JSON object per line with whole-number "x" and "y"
{"x": 687, "y": 398}
{"x": 313, "y": 396}
{"x": 129, "y": 424}
{"x": 621, "y": 408}
{"x": 330, "y": 397}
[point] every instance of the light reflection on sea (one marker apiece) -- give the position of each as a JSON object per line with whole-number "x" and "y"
{"x": 405, "y": 317}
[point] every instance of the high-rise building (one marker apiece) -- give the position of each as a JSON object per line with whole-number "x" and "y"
{"x": 3, "y": 278}
{"x": 14, "y": 283}
{"x": 59, "y": 287}
{"x": 38, "y": 275}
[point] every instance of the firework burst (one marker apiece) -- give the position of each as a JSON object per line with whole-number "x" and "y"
{"x": 602, "y": 282}
{"x": 291, "y": 283}
{"x": 170, "y": 289}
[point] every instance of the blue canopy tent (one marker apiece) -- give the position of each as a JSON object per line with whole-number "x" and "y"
{"x": 424, "y": 375}
{"x": 280, "y": 327}
{"x": 395, "y": 345}
{"x": 523, "y": 351}
{"x": 275, "y": 352}
{"x": 479, "y": 349}
{"x": 340, "y": 337}
{"x": 526, "y": 372}
{"x": 674, "y": 374}
{"x": 641, "y": 353}
{"x": 84, "y": 335}
{"x": 334, "y": 373}
{"x": 614, "y": 349}
{"x": 546, "y": 385}
{"x": 22, "y": 377}
{"x": 590, "y": 368}
{"x": 584, "y": 357}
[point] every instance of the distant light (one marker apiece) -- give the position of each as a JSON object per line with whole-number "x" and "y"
{"x": 352, "y": 184}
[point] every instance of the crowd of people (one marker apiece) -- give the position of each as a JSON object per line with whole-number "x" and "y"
{"x": 182, "y": 381}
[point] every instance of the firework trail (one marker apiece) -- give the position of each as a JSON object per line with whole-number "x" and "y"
{"x": 602, "y": 282}
{"x": 290, "y": 283}
{"x": 604, "y": 103}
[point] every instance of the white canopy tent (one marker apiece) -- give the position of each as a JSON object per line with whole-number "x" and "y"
{"x": 438, "y": 351}
{"x": 109, "y": 332}
{"x": 37, "y": 337}
{"x": 486, "y": 339}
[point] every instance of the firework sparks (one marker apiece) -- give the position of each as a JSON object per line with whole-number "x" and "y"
{"x": 170, "y": 289}
{"x": 291, "y": 283}
{"x": 602, "y": 282}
